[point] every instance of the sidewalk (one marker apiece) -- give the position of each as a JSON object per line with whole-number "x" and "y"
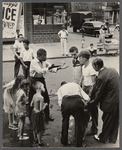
{"x": 54, "y": 49}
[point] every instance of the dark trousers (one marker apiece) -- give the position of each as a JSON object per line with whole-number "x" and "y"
{"x": 110, "y": 126}
{"x": 74, "y": 106}
{"x": 17, "y": 65}
{"x": 26, "y": 71}
{"x": 93, "y": 52}
{"x": 94, "y": 112}
{"x": 44, "y": 94}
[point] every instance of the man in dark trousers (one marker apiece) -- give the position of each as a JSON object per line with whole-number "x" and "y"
{"x": 107, "y": 94}
{"x": 72, "y": 99}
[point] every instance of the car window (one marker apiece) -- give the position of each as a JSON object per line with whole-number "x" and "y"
{"x": 91, "y": 25}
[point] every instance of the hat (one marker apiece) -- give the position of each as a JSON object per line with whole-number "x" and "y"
{"x": 85, "y": 54}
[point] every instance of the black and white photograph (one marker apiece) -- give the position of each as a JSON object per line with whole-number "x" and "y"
{"x": 61, "y": 74}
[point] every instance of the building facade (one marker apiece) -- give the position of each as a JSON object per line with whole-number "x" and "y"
{"x": 44, "y": 20}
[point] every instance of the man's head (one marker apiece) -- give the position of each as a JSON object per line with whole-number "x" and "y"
{"x": 26, "y": 43}
{"x": 73, "y": 51}
{"x": 17, "y": 31}
{"x": 20, "y": 37}
{"x": 91, "y": 45}
{"x": 97, "y": 64}
{"x": 38, "y": 86}
{"x": 63, "y": 26}
{"x": 84, "y": 57}
{"x": 41, "y": 54}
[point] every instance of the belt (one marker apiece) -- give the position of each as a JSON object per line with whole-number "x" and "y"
{"x": 68, "y": 96}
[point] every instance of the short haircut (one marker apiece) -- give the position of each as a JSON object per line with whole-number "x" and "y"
{"x": 64, "y": 82}
{"x": 41, "y": 51}
{"x": 26, "y": 41}
{"x": 98, "y": 61}
{"x": 17, "y": 30}
{"x": 24, "y": 82}
{"x": 73, "y": 49}
{"x": 85, "y": 54}
{"x": 20, "y": 35}
{"x": 91, "y": 44}
{"x": 38, "y": 84}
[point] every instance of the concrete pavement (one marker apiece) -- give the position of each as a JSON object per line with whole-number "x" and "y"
{"x": 54, "y": 49}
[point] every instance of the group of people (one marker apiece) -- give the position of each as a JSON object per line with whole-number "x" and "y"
{"x": 92, "y": 84}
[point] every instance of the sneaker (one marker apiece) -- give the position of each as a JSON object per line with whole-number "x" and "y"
{"x": 13, "y": 127}
{"x": 24, "y": 138}
{"x": 43, "y": 145}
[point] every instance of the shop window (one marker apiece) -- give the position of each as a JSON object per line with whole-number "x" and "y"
{"x": 39, "y": 16}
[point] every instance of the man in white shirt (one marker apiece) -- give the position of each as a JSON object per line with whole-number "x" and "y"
{"x": 38, "y": 68}
{"x": 63, "y": 35}
{"x": 17, "y": 48}
{"x": 26, "y": 56}
{"x": 72, "y": 99}
{"x": 88, "y": 80}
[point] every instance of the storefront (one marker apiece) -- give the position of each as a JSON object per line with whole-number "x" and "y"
{"x": 44, "y": 20}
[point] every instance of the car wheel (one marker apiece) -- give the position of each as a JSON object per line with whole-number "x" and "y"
{"x": 74, "y": 29}
{"x": 97, "y": 34}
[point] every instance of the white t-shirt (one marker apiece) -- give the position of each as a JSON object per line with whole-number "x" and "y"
{"x": 18, "y": 46}
{"x": 63, "y": 34}
{"x": 87, "y": 73}
{"x": 27, "y": 55}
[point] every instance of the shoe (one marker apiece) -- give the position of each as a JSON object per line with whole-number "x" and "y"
{"x": 98, "y": 139}
{"x": 13, "y": 127}
{"x": 43, "y": 145}
{"x": 24, "y": 138}
{"x": 90, "y": 133}
{"x": 50, "y": 119}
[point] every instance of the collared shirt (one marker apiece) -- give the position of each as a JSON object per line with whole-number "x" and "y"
{"x": 18, "y": 46}
{"x": 38, "y": 69}
{"x": 63, "y": 33}
{"x": 71, "y": 89}
{"x": 27, "y": 55}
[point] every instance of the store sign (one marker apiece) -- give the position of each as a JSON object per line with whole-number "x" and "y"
{"x": 10, "y": 17}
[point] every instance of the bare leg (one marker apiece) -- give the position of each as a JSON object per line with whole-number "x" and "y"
{"x": 19, "y": 128}
{"x": 10, "y": 118}
{"x": 39, "y": 136}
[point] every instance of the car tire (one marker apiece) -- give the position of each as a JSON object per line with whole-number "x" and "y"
{"x": 97, "y": 34}
{"x": 74, "y": 29}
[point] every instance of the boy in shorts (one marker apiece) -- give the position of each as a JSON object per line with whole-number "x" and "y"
{"x": 37, "y": 113}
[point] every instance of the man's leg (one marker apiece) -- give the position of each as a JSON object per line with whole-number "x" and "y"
{"x": 65, "y": 46}
{"x": 62, "y": 46}
{"x": 65, "y": 124}
{"x": 16, "y": 66}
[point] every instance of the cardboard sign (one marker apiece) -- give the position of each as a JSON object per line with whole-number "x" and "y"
{"x": 11, "y": 12}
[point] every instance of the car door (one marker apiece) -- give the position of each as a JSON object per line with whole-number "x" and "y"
{"x": 91, "y": 28}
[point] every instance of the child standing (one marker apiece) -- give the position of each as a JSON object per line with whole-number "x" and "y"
{"x": 26, "y": 56}
{"x": 37, "y": 113}
{"x": 22, "y": 101}
{"x": 82, "y": 40}
{"x": 9, "y": 96}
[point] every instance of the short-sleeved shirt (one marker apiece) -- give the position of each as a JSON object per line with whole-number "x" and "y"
{"x": 18, "y": 46}
{"x": 63, "y": 34}
{"x": 87, "y": 73}
{"x": 27, "y": 55}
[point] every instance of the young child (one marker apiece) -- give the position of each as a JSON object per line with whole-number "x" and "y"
{"x": 22, "y": 101}
{"x": 37, "y": 113}
{"x": 9, "y": 96}
{"x": 77, "y": 72}
{"x": 26, "y": 56}
{"x": 82, "y": 40}
{"x": 92, "y": 49}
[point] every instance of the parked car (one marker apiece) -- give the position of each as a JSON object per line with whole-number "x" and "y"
{"x": 93, "y": 27}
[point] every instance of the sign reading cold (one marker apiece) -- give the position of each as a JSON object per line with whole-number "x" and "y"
{"x": 11, "y": 12}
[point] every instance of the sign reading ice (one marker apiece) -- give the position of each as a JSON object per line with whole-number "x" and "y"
{"x": 10, "y": 18}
